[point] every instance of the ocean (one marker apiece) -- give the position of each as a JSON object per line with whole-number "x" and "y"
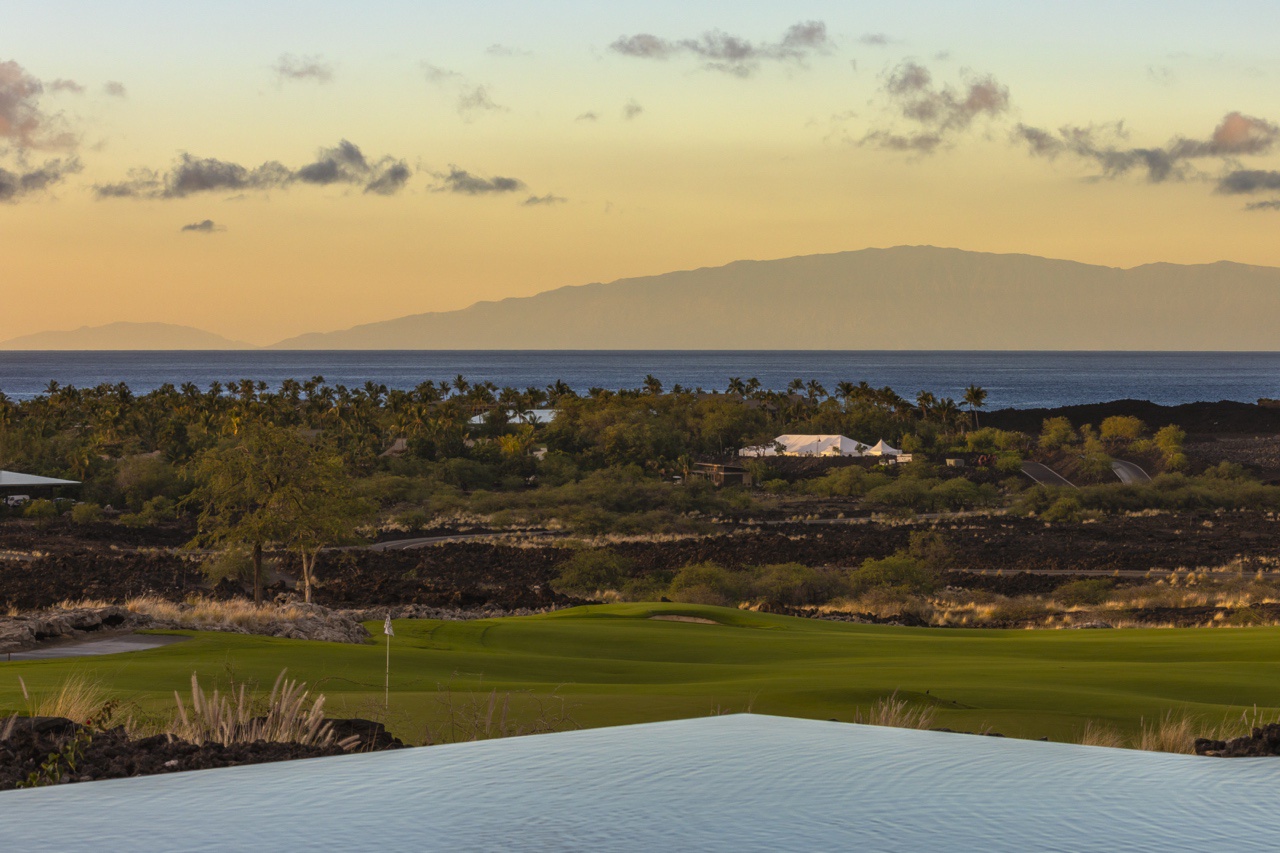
{"x": 1012, "y": 379}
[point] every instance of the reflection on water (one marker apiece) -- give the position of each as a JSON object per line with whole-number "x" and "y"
{"x": 720, "y": 783}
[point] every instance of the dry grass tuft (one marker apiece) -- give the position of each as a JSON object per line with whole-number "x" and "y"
{"x": 79, "y": 699}
{"x": 232, "y": 718}
{"x": 199, "y": 613}
{"x": 898, "y": 713}
{"x": 1100, "y": 734}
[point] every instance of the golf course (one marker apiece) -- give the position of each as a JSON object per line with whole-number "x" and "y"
{"x": 629, "y": 663}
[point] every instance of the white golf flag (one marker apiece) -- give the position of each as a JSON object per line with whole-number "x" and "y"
{"x": 386, "y": 627}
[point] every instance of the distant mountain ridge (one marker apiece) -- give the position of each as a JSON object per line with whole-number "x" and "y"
{"x": 125, "y": 336}
{"x": 908, "y": 297}
{"x": 902, "y": 298}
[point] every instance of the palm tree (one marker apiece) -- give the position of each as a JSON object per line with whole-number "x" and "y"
{"x": 925, "y": 401}
{"x": 736, "y": 386}
{"x": 652, "y": 385}
{"x": 975, "y": 397}
{"x": 813, "y": 390}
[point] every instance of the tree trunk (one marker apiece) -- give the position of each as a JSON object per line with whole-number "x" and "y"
{"x": 308, "y": 568}
{"x": 257, "y": 572}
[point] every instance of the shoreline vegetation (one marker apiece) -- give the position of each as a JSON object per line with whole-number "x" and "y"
{"x": 302, "y": 512}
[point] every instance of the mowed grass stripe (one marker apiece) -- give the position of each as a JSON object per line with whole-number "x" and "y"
{"x": 613, "y": 664}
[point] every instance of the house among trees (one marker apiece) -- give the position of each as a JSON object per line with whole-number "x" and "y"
{"x": 720, "y": 475}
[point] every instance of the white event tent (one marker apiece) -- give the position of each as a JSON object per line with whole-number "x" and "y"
{"x": 808, "y": 445}
{"x": 882, "y": 449}
{"x": 14, "y": 480}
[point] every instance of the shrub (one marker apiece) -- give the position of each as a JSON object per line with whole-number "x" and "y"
{"x": 1056, "y": 434}
{"x": 1122, "y": 428}
{"x": 40, "y": 508}
{"x": 590, "y": 572}
{"x": 1066, "y": 508}
{"x": 1089, "y": 592}
{"x": 86, "y": 513}
{"x": 898, "y": 572}
{"x": 707, "y": 583}
{"x": 234, "y": 565}
{"x": 1169, "y": 441}
{"x": 793, "y": 584}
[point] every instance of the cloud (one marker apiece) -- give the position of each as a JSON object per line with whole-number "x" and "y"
{"x": 464, "y": 183}
{"x": 1274, "y": 204}
{"x": 436, "y": 74}
{"x": 115, "y": 89}
{"x": 343, "y": 164}
{"x": 23, "y": 124}
{"x": 542, "y": 200}
{"x": 874, "y": 39}
{"x": 1245, "y": 181}
{"x": 590, "y": 115}
{"x": 1237, "y": 135}
{"x": 631, "y": 109}
{"x": 207, "y": 226}
{"x": 16, "y": 184}
{"x": 64, "y": 85}
{"x": 506, "y": 51}
{"x": 290, "y": 67}
{"x": 720, "y": 51}
{"x": 934, "y": 114}
{"x": 474, "y": 100}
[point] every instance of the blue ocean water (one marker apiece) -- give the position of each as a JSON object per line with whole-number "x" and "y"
{"x": 1012, "y": 379}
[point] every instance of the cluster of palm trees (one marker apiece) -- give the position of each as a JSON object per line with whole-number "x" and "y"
{"x": 71, "y": 429}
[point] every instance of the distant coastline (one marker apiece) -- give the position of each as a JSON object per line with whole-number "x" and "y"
{"x": 1014, "y": 379}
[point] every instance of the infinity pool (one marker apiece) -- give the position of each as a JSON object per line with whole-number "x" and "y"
{"x": 720, "y": 783}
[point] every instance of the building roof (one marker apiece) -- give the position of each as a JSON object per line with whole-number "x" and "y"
{"x": 14, "y": 480}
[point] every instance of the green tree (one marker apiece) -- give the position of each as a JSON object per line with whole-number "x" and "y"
{"x": 271, "y": 486}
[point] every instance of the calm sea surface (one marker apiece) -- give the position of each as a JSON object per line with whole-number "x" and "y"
{"x": 1012, "y": 379}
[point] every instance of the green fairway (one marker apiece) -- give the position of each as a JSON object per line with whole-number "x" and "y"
{"x": 613, "y": 664}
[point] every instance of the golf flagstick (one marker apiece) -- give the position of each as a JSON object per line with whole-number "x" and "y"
{"x": 390, "y": 632}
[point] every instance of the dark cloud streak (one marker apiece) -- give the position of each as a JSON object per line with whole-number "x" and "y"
{"x": 730, "y": 54}
{"x": 343, "y": 164}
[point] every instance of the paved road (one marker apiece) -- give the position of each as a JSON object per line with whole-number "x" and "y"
{"x": 1044, "y": 475}
{"x": 1129, "y": 473}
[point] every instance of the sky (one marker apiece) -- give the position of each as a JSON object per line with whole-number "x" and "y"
{"x": 263, "y": 170}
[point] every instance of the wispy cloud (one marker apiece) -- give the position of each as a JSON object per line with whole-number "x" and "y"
{"x": 475, "y": 100}
{"x": 929, "y": 115}
{"x": 344, "y": 164}
{"x": 463, "y": 182}
{"x": 27, "y": 128}
{"x": 1237, "y": 135}
{"x": 64, "y": 85}
{"x": 631, "y": 109}
{"x": 115, "y": 89}
{"x": 874, "y": 40}
{"x": 589, "y": 115}
{"x": 24, "y": 124}
{"x": 720, "y": 51}
{"x": 16, "y": 184}
{"x": 207, "y": 226}
{"x": 504, "y": 50}
{"x": 543, "y": 200}
{"x": 306, "y": 68}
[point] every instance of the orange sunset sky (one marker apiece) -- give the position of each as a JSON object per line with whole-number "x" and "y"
{"x": 265, "y": 172}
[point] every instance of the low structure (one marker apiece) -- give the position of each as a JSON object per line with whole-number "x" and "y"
{"x": 17, "y": 488}
{"x": 720, "y": 475}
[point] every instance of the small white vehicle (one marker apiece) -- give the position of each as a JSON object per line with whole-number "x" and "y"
{"x": 17, "y": 500}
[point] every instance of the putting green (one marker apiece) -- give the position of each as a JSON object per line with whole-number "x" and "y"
{"x": 613, "y": 664}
